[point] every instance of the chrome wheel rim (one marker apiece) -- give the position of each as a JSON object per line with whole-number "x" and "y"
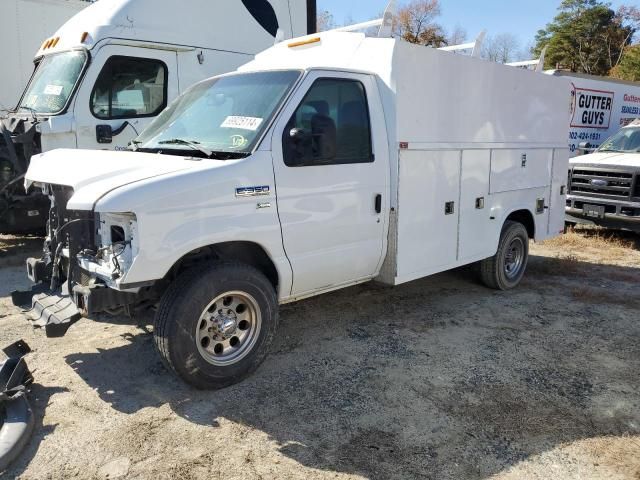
{"x": 514, "y": 258}
{"x": 228, "y": 328}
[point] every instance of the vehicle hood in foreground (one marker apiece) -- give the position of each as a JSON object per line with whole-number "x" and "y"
{"x": 608, "y": 159}
{"x": 94, "y": 173}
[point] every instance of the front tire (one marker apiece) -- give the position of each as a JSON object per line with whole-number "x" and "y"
{"x": 215, "y": 324}
{"x": 506, "y": 268}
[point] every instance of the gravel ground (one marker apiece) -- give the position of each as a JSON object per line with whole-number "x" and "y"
{"x": 440, "y": 378}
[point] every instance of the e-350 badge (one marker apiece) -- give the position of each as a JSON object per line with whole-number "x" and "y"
{"x": 253, "y": 191}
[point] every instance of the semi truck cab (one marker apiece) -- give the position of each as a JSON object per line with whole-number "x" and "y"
{"x": 113, "y": 67}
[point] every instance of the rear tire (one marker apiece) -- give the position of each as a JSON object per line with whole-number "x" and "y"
{"x": 215, "y": 324}
{"x": 506, "y": 268}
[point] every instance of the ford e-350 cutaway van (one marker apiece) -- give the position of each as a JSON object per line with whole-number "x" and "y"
{"x": 328, "y": 161}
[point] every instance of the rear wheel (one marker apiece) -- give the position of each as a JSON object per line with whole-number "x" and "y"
{"x": 506, "y": 268}
{"x": 215, "y": 324}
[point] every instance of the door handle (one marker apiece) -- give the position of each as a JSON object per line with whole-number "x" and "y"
{"x": 378, "y": 203}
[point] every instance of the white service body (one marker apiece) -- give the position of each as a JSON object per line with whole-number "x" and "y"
{"x": 459, "y": 146}
{"x": 599, "y": 108}
{"x": 23, "y": 24}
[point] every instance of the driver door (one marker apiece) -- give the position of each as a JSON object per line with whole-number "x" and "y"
{"x": 332, "y": 181}
{"x": 124, "y": 89}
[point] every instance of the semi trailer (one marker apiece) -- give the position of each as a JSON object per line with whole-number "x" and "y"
{"x": 101, "y": 78}
{"x": 328, "y": 161}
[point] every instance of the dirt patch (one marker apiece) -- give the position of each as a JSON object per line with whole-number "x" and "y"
{"x": 440, "y": 378}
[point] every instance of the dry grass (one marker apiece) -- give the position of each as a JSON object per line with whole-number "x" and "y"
{"x": 595, "y": 245}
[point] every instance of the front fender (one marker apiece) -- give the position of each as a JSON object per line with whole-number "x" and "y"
{"x": 183, "y": 212}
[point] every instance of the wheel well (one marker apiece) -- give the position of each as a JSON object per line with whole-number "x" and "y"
{"x": 246, "y": 252}
{"x": 525, "y": 218}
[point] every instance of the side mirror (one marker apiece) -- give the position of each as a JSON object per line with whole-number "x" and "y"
{"x": 104, "y": 134}
{"x": 585, "y": 148}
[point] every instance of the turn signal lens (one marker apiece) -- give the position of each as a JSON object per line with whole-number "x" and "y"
{"x": 304, "y": 42}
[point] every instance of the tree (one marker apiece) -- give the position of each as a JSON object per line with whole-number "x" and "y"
{"x": 457, "y": 36}
{"x": 629, "y": 66}
{"x": 415, "y": 23}
{"x": 325, "y": 21}
{"x": 586, "y": 36}
{"x": 503, "y": 48}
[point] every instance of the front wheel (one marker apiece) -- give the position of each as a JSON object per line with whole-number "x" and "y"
{"x": 506, "y": 268}
{"x": 215, "y": 324}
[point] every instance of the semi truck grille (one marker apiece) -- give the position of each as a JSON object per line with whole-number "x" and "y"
{"x": 615, "y": 184}
{"x": 636, "y": 191}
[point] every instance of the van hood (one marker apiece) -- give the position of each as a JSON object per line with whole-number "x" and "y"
{"x": 608, "y": 159}
{"x": 94, "y": 173}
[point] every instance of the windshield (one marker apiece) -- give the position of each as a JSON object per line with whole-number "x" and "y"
{"x": 221, "y": 115}
{"x": 626, "y": 140}
{"x": 53, "y": 82}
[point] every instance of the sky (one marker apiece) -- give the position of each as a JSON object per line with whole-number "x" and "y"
{"x": 523, "y": 18}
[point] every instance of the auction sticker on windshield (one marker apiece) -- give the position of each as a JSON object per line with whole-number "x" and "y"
{"x": 243, "y": 123}
{"x": 53, "y": 90}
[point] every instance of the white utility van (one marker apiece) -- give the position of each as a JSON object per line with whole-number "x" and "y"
{"x": 106, "y": 73}
{"x": 328, "y": 161}
{"x": 599, "y": 108}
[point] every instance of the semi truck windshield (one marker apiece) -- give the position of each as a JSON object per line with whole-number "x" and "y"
{"x": 225, "y": 114}
{"x": 53, "y": 82}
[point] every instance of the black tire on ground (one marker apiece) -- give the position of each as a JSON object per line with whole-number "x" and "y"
{"x": 180, "y": 327}
{"x": 506, "y": 268}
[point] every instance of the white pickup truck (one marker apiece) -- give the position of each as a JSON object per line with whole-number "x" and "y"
{"x": 604, "y": 187}
{"x": 328, "y": 161}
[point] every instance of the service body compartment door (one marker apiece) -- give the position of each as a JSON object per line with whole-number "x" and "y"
{"x": 513, "y": 169}
{"x": 428, "y": 213}
{"x": 558, "y": 192}
{"x": 332, "y": 176}
{"x": 124, "y": 89}
{"x": 477, "y": 231}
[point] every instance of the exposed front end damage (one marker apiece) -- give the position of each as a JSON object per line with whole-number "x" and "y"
{"x": 85, "y": 256}
{"x": 20, "y": 212}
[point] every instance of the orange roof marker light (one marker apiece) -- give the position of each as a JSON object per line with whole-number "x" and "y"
{"x": 55, "y": 42}
{"x": 304, "y": 42}
{"x": 84, "y": 36}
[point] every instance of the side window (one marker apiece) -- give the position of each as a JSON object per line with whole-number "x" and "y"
{"x": 330, "y": 127}
{"x": 130, "y": 87}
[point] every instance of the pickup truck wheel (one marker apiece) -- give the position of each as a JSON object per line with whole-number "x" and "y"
{"x": 506, "y": 268}
{"x": 215, "y": 324}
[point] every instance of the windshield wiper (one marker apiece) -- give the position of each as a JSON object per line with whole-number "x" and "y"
{"x": 188, "y": 143}
{"x": 611, "y": 150}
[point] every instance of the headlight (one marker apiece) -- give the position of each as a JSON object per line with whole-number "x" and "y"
{"x": 118, "y": 233}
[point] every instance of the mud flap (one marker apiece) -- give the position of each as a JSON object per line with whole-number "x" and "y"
{"x": 16, "y": 417}
{"x": 55, "y": 312}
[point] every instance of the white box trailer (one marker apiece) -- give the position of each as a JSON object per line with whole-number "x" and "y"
{"x": 599, "y": 108}
{"x": 24, "y": 24}
{"x": 328, "y": 161}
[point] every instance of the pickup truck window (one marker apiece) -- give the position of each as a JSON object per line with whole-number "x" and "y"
{"x": 626, "y": 140}
{"x": 330, "y": 127}
{"x": 130, "y": 87}
{"x": 226, "y": 114}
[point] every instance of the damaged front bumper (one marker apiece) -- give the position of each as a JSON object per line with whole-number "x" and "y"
{"x": 56, "y": 312}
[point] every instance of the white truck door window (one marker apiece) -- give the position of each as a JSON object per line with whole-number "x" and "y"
{"x": 120, "y": 87}
{"x": 327, "y": 182}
